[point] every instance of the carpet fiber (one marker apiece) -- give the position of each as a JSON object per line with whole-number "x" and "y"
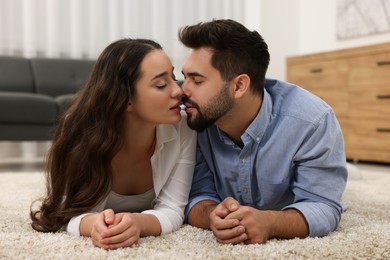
{"x": 364, "y": 232}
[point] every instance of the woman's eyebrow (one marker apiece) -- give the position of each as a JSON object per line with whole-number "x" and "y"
{"x": 162, "y": 74}
{"x": 193, "y": 74}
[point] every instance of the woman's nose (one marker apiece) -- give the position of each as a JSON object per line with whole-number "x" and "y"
{"x": 177, "y": 90}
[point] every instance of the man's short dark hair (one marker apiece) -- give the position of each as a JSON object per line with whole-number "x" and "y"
{"x": 236, "y": 50}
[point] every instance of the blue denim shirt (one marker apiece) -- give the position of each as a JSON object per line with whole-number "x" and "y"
{"x": 293, "y": 157}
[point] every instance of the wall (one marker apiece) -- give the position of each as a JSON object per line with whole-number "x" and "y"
{"x": 298, "y": 27}
{"x": 280, "y": 27}
{"x": 82, "y": 28}
{"x": 318, "y": 29}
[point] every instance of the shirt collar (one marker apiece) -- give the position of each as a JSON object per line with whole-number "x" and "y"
{"x": 259, "y": 125}
{"x": 165, "y": 133}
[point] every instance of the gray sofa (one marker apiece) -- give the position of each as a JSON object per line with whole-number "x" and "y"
{"x": 34, "y": 92}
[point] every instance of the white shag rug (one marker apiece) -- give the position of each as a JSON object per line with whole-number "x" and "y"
{"x": 364, "y": 232}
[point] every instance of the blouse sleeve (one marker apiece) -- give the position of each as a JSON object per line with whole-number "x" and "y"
{"x": 173, "y": 197}
{"x": 73, "y": 226}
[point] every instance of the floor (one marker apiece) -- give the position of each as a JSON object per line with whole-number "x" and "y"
{"x": 22, "y": 156}
{"x": 30, "y": 156}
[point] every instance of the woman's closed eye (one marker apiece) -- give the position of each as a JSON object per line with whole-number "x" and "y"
{"x": 161, "y": 86}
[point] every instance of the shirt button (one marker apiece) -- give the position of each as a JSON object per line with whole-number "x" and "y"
{"x": 243, "y": 160}
{"x": 246, "y": 190}
{"x": 258, "y": 139}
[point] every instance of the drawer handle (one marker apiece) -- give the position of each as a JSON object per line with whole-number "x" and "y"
{"x": 383, "y": 63}
{"x": 316, "y": 70}
{"x": 383, "y": 97}
{"x": 383, "y": 130}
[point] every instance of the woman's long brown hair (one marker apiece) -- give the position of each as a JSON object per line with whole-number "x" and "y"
{"x": 88, "y": 136}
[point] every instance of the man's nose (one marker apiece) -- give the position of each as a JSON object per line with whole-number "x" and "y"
{"x": 184, "y": 88}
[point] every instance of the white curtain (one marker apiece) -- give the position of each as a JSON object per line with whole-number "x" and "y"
{"x": 82, "y": 28}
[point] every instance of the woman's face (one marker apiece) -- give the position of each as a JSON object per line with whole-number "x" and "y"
{"x": 157, "y": 94}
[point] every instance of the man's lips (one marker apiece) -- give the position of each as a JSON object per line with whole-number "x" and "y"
{"x": 189, "y": 108}
{"x": 188, "y": 105}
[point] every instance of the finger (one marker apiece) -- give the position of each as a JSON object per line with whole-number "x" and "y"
{"x": 227, "y": 206}
{"x": 96, "y": 241}
{"x": 110, "y": 246}
{"x": 240, "y": 239}
{"x": 124, "y": 224}
{"x": 98, "y": 227}
{"x": 219, "y": 223}
{"x": 124, "y": 239}
{"x": 221, "y": 211}
{"x": 231, "y": 204}
{"x": 127, "y": 243}
{"x": 109, "y": 216}
{"x": 130, "y": 235}
{"x": 95, "y": 238}
{"x": 238, "y": 214}
{"x": 227, "y": 234}
{"x": 116, "y": 239}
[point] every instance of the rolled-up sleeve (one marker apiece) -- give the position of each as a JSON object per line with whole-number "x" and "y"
{"x": 320, "y": 177}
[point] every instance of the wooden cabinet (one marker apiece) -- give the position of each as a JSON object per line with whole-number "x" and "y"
{"x": 356, "y": 84}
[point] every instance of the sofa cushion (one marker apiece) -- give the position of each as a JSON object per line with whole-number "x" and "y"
{"x": 26, "y": 132}
{"x": 56, "y": 77}
{"x": 24, "y": 108}
{"x": 15, "y": 74}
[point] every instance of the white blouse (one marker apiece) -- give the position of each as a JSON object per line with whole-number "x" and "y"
{"x": 172, "y": 165}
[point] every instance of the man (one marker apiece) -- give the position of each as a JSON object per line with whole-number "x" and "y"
{"x": 270, "y": 155}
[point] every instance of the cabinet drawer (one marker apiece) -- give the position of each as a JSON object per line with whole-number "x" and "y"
{"x": 368, "y": 135}
{"x": 336, "y": 98}
{"x": 367, "y": 155}
{"x": 319, "y": 74}
{"x": 370, "y": 103}
{"x": 370, "y": 70}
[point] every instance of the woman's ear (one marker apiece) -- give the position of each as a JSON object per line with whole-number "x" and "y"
{"x": 241, "y": 85}
{"x": 129, "y": 107}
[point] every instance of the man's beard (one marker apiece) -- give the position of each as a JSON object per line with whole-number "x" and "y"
{"x": 217, "y": 107}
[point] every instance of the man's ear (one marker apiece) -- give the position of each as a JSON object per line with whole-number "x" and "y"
{"x": 241, "y": 85}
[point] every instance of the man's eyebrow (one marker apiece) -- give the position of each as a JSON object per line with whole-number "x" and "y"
{"x": 193, "y": 74}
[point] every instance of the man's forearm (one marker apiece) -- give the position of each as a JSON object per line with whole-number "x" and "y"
{"x": 289, "y": 223}
{"x": 200, "y": 212}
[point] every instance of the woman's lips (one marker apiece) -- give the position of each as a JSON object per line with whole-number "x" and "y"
{"x": 176, "y": 108}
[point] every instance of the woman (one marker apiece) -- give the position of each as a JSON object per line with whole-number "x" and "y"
{"x": 121, "y": 147}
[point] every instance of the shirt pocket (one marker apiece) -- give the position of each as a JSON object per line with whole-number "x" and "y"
{"x": 275, "y": 194}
